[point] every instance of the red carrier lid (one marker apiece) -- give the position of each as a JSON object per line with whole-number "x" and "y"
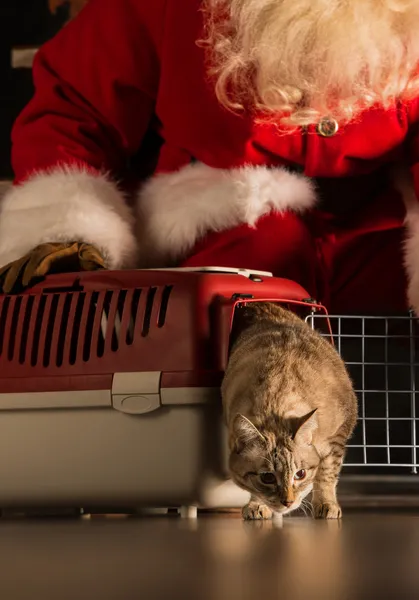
{"x": 129, "y": 339}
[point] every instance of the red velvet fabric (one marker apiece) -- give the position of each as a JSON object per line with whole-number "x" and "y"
{"x": 352, "y": 268}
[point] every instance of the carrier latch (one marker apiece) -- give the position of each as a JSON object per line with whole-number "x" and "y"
{"x": 136, "y": 393}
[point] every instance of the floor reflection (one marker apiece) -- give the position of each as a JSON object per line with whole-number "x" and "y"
{"x": 212, "y": 558}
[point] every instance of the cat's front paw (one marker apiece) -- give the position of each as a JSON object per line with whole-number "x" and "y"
{"x": 327, "y": 510}
{"x": 256, "y": 511}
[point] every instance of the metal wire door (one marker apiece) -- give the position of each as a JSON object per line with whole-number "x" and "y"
{"x": 382, "y": 356}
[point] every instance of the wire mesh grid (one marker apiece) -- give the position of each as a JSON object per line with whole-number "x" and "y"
{"x": 382, "y": 356}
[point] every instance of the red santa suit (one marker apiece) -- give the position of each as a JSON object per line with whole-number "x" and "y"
{"x": 126, "y": 78}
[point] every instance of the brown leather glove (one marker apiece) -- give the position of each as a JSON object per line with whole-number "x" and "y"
{"x": 47, "y": 259}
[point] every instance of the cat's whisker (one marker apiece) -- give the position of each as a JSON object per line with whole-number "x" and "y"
{"x": 308, "y": 506}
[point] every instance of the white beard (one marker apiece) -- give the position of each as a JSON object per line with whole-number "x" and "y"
{"x": 311, "y": 58}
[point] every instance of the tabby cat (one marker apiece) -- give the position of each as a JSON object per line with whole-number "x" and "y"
{"x": 290, "y": 409}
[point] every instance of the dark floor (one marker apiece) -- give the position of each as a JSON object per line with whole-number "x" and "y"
{"x": 374, "y": 556}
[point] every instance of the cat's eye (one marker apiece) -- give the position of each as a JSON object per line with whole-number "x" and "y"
{"x": 300, "y": 475}
{"x": 267, "y": 478}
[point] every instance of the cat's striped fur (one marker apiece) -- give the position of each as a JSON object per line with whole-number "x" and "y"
{"x": 290, "y": 409}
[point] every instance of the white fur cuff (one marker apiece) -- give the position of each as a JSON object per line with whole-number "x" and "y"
{"x": 175, "y": 210}
{"x": 67, "y": 205}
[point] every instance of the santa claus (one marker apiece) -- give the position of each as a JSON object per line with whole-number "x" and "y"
{"x": 279, "y": 135}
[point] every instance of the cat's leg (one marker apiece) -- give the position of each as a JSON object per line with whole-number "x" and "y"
{"x": 256, "y": 510}
{"x": 325, "y": 502}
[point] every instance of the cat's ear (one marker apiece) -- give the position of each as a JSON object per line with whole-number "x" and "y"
{"x": 302, "y": 428}
{"x": 245, "y": 433}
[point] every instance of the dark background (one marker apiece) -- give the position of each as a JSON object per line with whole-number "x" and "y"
{"x": 23, "y": 23}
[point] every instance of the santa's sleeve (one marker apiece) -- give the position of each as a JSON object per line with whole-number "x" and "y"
{"x": 96, "y": 84}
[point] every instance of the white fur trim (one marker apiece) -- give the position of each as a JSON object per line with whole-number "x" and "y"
{"x": 403, "y": 183}
{"x": 66, "y": 205}
{"x": 175, "y": 210}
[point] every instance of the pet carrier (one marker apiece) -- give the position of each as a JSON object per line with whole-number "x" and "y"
{"x": 109, "y": 387}
{"x": 109, "y": 390}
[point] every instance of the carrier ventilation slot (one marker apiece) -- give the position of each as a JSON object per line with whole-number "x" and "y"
{"x": 129, "y": 336}
{"x": 3, "y": 318}
{"x": 25, "y": 328}
{"x": 111, "y": 315}
{"x": 148, "y": 310}
{"x": 49, "y": 331}
{"x": 60, "y": 329}
{"x": 38, "y": 323}
{"x": 15, "y": 320}
{"x": 164, "y": 305}
{"x": 63, "y": 331}
{"x": 132, "y": 312}
{"x": 78, "y": 315}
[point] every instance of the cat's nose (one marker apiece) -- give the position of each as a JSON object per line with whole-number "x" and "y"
{"x": 286, "y": 503}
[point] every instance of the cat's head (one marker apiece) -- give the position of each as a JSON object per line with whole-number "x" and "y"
{"x": 274, "y": 459}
